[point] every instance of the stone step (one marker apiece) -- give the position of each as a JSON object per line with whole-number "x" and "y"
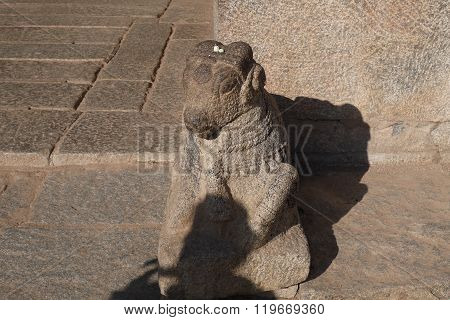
{"x": 123, "y": 105}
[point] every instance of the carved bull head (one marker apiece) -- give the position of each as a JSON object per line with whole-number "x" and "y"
{"x": 221, "y": 83}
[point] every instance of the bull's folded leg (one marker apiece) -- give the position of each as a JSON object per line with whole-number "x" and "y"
{"x": 281, "y": 263}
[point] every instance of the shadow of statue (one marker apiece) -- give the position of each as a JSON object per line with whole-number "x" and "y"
{"x": 209, "y": 256}
{"x": 212, "y": 252}
{"x": 144, "y": 287}
{"x": 329, "y": 148}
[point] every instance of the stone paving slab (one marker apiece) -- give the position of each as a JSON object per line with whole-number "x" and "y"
{"x": 87, "y": 9}
{"x": 115, "y": 95}
{"x": 189, "y": 11}
{"x": 139, "y": 53}
{"x": 54, "y": 51}
{"x": 65, "y": 20}
{"x": 28, "y": 137}
{"x": 94, "y": 197}
{"x": 380, "y": 234}
{"x": 74, "y": 264}
{"x": 17, "y": 96}
{"x": 61, "y": 35}
{"x": 118, "y": 137}
{"x": 17, "y": 191}
{"x": 119, "y": 3}
{"x": 166, "y": 97}
{"x": 199, "y": 31}
{"x": 76, "y": 71}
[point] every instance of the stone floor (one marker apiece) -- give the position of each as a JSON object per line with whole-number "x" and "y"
{"x": 89, "y": 94}
{"x": 91, "y": 233}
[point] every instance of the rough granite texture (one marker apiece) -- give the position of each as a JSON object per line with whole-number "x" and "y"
{"x": 17, "y": 191}
{"x": 55, "y": 51}
{"x": 117, "y": 137}
{"x": 115, "y": 95}
{"x": 65, "y": 20}
{"x": 61, "y": 35}
{"x": 95, "y": 196}
{"x": 15, "y": 95}
{"x": 139, "y": 53}
{"x": 166, "y": 97}
{"x": 188, "y": 11}
{"x": 390, "y": 60}
{"x": 200, "y": 31}
{"x": 80, "y": 71}
{"x": 380, "y": 234}
{"x": 72, "y": 263}
{"x": 87, "y": 9}
{"x": 231, "y": 227}
{"x": 115, "y": 3}
{"x": 28, "y": 137}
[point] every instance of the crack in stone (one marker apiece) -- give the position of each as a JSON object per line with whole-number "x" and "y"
{"x": 157, "y": 67}
{"x": 437, "y": 157}
{"x": 146, "y": 97}
{"x": 118, "y": 45}
{"x": 163, "y": 53}
{"x": 61, "y": 139}
{"x": 164, "y": 11}
{"x": 3, "y": 189}
{"x": 104, "y": 64}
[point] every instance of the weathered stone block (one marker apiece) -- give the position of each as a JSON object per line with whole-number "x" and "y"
{"x": 383, "y": 236}
{"x": 17, "y": 191}
{"x": 193, "y": 31}
{"x": 120, "y": 137}
{"x": 84, "y": 71}
{"x": 63, "y": 35}
{"x": 188, "y": 11}
{"x": 401, "y": 136}
{"x": 65, "y": 20}
{"x": 118, "y": 3}
{"x": 166, "y": 96}
{"x": 102, "y": 197}
{"x": 15, "y": 95}
{"x": 28, "y": 137}
{"x": 78, "y": 263}
{"x": 115, "y": 95}
{"x": 349, "y": 136}
{"x": 55, "y": 51}
{"x": 88, "y": 9}
{"x": 138, "y": 54}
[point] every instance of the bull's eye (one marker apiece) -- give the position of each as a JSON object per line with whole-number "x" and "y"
{"x": 228, "y": 85}
{"x": 202, "y": 73}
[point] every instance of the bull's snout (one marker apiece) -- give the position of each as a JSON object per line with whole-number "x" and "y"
{"x": 195, "y": 122}
{"x": 200, "y": 125}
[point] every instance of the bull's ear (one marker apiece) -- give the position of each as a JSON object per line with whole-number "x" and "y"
{"x": 254, "y": 83}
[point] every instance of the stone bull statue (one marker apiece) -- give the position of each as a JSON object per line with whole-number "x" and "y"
{"x": 231, "y": 227}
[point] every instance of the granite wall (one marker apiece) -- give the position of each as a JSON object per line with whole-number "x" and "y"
{"x": 372, "y": 77}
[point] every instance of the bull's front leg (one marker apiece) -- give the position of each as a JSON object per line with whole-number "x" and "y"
{"x": 280, "y": 184}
